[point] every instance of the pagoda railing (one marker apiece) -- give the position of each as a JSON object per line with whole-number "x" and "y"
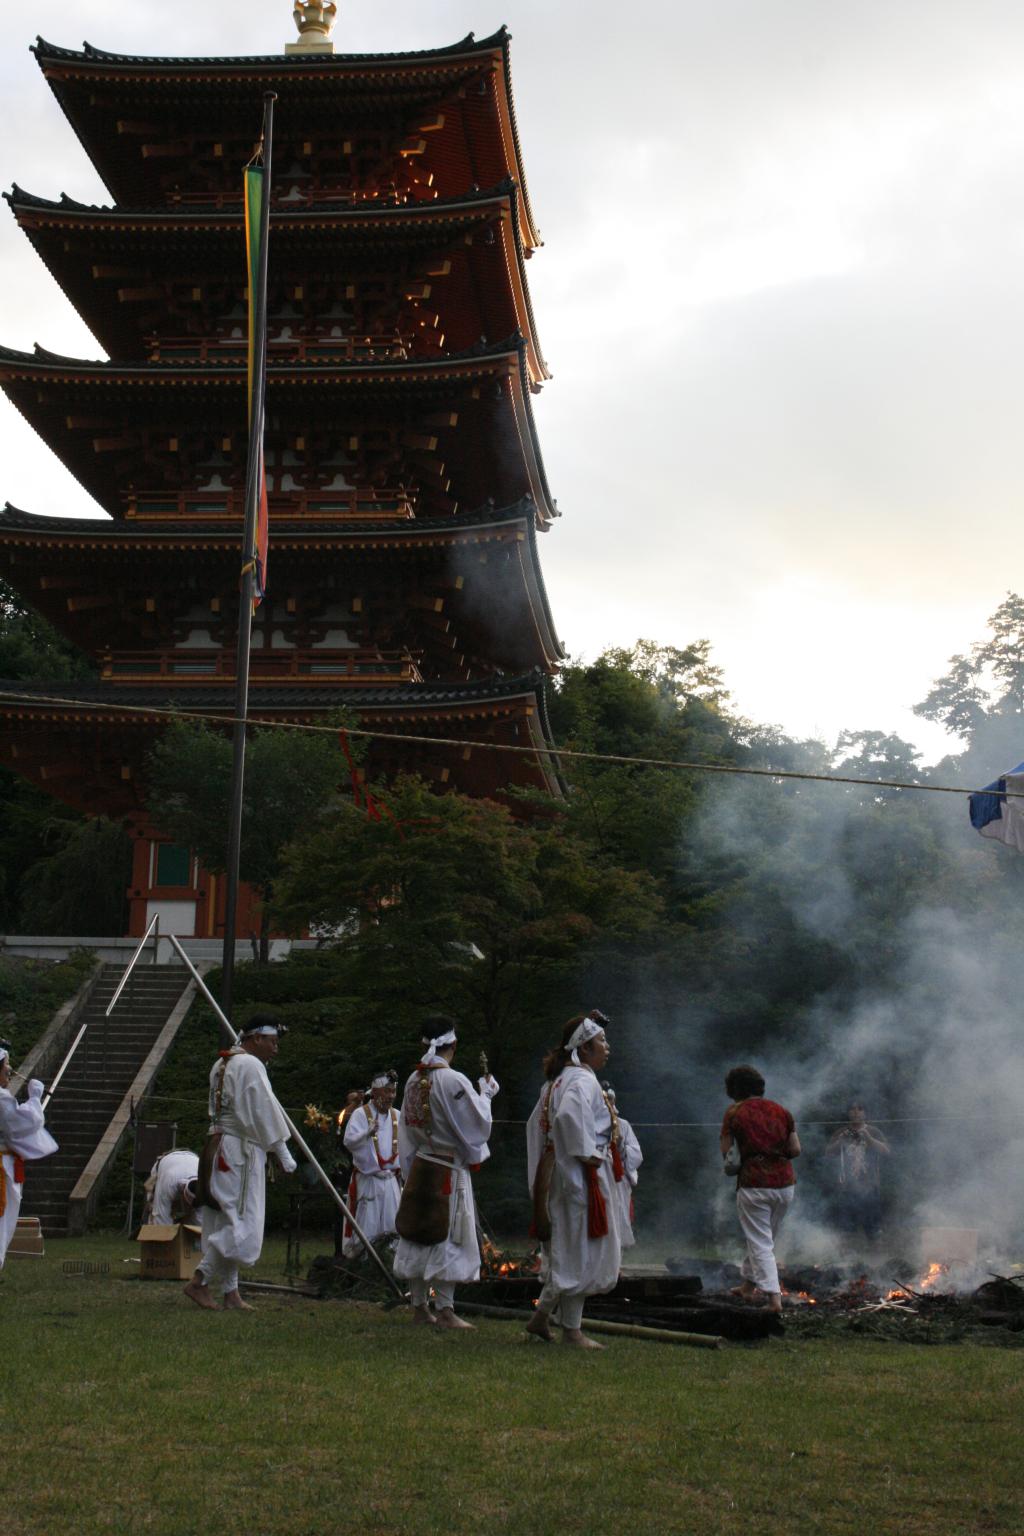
{"x": 359, "y": 502}
{"x": 194, "y": 666}
{"x": 388, "y": 347}
{"x": 295, "y": 196}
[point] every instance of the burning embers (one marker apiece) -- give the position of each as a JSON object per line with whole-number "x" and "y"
{"x": 495, "y": 1264}
{"x": 830, "y": 1287}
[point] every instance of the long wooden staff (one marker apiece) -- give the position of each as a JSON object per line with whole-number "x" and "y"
{"x": 297, "y": 1137}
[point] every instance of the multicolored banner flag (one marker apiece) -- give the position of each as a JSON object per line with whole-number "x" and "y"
{"x": 254, "y": 189}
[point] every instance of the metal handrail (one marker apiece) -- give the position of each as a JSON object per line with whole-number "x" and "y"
{"x": 154, "y": 923}
{"x": 63, "y": 1066}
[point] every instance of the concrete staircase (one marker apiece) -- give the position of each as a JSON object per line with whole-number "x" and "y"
{"x": 84, "y": 1111}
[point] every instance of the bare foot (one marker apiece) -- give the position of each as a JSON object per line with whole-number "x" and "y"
{"x": 424, "y": 1315}
{"x": 233, "y": 1302}
{"x": 198, "y": 1291}
{"x": 774, "y": 1301}
{"x": 577, "y": 1339}
{"x": 746, "y": 1292}
{"x": 539, "y": 1327}
{"x": 446, "y": 1319}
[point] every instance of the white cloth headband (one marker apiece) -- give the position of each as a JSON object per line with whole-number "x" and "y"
{"x": 432, "y": 1053}
{"x": 580, "y": 1035}
{"x": 263, "y": 1029}
{"x": 383, "y": 1081}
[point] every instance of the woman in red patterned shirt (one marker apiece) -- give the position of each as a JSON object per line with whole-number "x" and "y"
{"x": 763, "y": 1133}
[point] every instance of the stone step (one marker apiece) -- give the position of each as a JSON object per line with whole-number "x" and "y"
{"x": 98, "y": 1076}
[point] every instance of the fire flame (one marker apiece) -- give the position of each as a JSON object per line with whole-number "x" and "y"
{"x": 497, "y": 1264}
{"x": 804, "y": 1296}
{"x": 932, "y": 1278}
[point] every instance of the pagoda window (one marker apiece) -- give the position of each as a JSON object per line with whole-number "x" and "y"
{"x": 279, "y": 641}
{"x": 173, "y": 864}
{"x": 196, "y": 639}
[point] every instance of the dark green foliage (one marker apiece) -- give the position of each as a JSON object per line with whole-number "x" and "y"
{"x": 290, "y": 780}
{"x": 31, "y": 649}
{"x": 453, "y": 904}
{"x": 33, "y": 826}
{"x": 79, "y": 886}
{"x": 31, "y": 991}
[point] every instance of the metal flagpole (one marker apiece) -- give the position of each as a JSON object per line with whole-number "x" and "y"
{"x": 253, "y": 489}
{"x": 299, "y": 1139}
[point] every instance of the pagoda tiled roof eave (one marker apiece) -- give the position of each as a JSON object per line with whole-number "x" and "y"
{"x": 19, "y": 527}
{"x": 176, "y": 213}
{"x": 326, "y": 215}
{"x": 104, "y": 530}
{"x": 230, "y": 372}
{"x": 218, "y": 699}
{"x": 474, "y": 361}
{"x": 89, "y": 55}
{"x": 57, "y": 62}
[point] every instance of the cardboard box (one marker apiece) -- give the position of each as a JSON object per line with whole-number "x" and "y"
{"x": 169, "y": 1253}
{"x": 27, "y": 1241}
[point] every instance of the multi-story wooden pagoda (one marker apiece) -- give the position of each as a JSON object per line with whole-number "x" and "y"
{"x": 405, "y": 480}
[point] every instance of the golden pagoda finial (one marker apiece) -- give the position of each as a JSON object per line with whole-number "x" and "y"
{"x": 315, "y": 20}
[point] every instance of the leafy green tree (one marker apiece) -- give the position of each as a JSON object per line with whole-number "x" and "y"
{"x": 80, "y": 886}
{"x": 453, "y": 903}
{"x": 31, "y": 651}
{"x": 875, "y": 755}
{"x": 985, "y": 684}
{"x": 291, "y": 778}
{"x": 653, "y": 702}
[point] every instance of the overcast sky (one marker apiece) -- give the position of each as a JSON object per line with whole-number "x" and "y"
{"x": 781, "y": 296}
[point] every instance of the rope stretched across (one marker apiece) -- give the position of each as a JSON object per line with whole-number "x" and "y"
{"x": 554, "y": 753}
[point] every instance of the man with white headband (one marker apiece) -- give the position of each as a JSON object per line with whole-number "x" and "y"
{"x": 443, "y": 1132}
{"x": 23, "y": 1139}
{"x": 574, "y": 1167}
{"x": 246, "y": 1122}
{"x": 632, "y": 1157}
{"x": 371, "y": 1136}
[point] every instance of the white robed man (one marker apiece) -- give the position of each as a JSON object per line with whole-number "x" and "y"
{"x": 23, "y": 1139}
{"x": 170, "y": 1188}
{"x": 443, "y": 1132}
{"x": 371, "y": 1136}
{"x": 632, "y": 1157}
{"x": 246, "y": 1124}
{"x": 574, "y": 1166}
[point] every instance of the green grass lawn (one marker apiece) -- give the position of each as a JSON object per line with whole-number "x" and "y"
{"x": 123, "y": 1408}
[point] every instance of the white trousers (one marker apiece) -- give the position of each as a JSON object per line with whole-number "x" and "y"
{"x": 444, "y": 1293}
{"x": 563, "y": 1307}
{"x": 219, "y": 1272}
{"x": 761, "y": 1213}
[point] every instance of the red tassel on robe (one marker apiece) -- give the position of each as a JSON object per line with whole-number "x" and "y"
{"x": 597, "y": 1210}
{"x": 617, "y": 1169}
{"x": 351, "y": 1200}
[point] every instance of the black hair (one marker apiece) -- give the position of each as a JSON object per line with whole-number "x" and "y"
{"x": 263, "y": 1021}
{"x": 558, "y": 1056}
{"x": 744, "y": 1083}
